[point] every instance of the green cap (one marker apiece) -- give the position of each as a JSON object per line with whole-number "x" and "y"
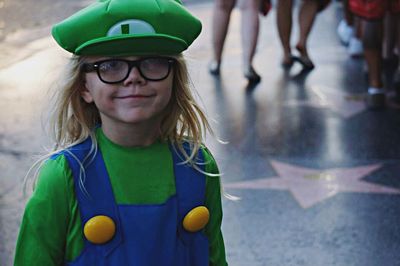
{"x": 128, "y": 27}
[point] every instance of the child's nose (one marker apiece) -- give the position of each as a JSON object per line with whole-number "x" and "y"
{"x": 134, "y": 77}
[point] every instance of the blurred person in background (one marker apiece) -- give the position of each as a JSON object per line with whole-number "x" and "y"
{"x": 307, "y": 14}
{"x": 250, "y": 24}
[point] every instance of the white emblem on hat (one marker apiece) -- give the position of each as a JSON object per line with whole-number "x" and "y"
{"x": 132, "y": 27}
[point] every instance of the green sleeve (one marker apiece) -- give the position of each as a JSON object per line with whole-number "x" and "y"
{"x": 213, "y": 203}
{"x": 44, "y": 227}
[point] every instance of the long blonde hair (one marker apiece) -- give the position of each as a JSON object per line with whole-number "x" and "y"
{"x": 73, "y": 120}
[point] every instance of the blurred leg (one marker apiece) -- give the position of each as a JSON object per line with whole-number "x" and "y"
{"x": 308, "y": 12}
{"x": 249, "y": 35}
{"x": 249, "y": 30}
{"x": 372, "y": 39}
{"x": 221, "y": 17}
{"x": 284, "y": 23}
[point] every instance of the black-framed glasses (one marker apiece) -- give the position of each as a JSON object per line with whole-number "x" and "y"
{"x": 116, "y": 70}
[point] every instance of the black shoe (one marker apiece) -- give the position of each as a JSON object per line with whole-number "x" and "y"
{"x": 252, "y": 76}
{"x": 303, "y": 58}
{"x": 305, "y": 62}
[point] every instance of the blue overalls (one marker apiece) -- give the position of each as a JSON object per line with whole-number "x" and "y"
{"x": 146, "y": 235}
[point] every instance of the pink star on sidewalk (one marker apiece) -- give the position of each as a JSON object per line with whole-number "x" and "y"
{"x": 310, "y": 186}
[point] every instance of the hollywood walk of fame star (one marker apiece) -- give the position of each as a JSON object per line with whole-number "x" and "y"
{"x": 344, "y": 104}
{"x": 310, "y": 186}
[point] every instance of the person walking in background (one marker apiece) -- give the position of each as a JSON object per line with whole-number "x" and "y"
{"x": 130, "y": 181}
{"x": 307, "y": 14}
{"x": 249, "y": 34}
{"x": 372, "y": 14}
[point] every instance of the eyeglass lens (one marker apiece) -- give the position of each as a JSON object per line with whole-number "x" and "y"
{"x": 117, "y": 70}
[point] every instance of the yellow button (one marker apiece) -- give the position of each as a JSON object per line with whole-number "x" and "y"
{"x": 99, "y": 229}
{"x": 196, "y": 219}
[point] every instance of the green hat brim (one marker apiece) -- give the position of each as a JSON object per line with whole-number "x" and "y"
{"x": 133, "y": 45}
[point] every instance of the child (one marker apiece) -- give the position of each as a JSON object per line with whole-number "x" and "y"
{"x": 129, "y": 182}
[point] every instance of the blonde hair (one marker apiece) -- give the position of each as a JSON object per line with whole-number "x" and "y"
{"x": 74, "y": 120}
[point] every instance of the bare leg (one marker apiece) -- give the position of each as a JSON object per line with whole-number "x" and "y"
{"x": 284, "y": 23}
{"x": 249, "y": 30}
{"x": 372, "y": 40}
{"x": 221, "y": 17}
{"x": 308, "y": 12}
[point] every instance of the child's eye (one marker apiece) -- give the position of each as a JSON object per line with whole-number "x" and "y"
{"x": 112, "y": 65}
{"x": 154, "y": 63}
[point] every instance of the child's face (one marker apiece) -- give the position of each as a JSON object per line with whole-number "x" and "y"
{"x": 134, "y": 99}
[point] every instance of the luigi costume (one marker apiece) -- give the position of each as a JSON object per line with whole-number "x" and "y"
{"x": 134, "y": 206}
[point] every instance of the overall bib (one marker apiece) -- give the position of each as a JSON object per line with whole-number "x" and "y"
{"x": 145, "y": 235}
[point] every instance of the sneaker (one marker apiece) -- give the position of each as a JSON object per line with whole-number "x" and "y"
{"x": 376, "y": 98}
{"x": 345, "y": 32}
{"x": 355, "y": 48}
{"x": 214, "y": 68}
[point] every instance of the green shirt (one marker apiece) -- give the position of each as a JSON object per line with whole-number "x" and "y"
{"x": 51, "y": 230}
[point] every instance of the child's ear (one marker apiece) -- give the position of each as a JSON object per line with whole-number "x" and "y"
{"x": 86, "y": 94}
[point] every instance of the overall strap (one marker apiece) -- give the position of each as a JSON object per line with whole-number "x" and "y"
{"x": 94, "y": 191}
{"x": 190, "y": 186}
